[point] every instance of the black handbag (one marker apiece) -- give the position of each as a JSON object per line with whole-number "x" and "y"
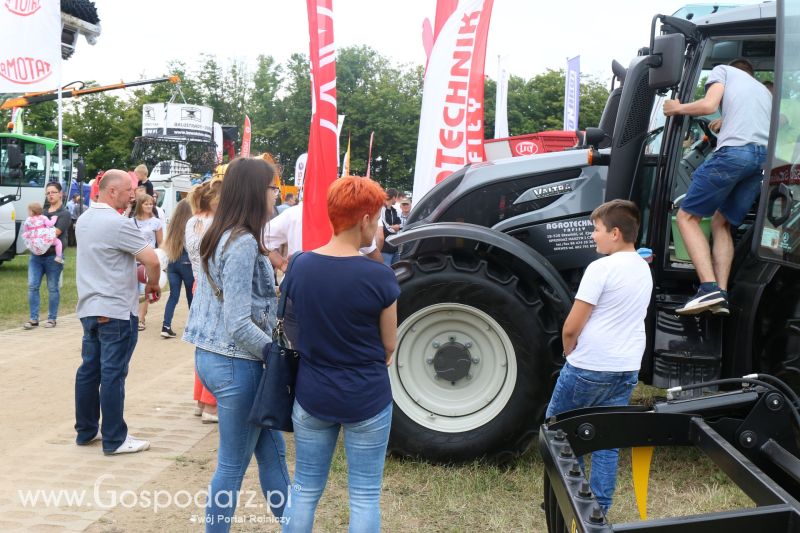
{"x": 274, "y": 400}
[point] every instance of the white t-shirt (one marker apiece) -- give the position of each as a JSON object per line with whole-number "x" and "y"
{"x": 619, "y": 287}
{"x": 149, "y": 227}
{"x": 287, "y": 228}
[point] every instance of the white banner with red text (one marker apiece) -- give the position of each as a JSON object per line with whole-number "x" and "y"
{"x": 30, "y": 45}
{"x": 451, "y": 121}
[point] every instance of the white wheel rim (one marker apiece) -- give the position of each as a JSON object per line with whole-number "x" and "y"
{"x": 473, "y": 400}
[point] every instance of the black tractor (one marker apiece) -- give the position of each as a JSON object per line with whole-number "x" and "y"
{"x": 492, "y": 256}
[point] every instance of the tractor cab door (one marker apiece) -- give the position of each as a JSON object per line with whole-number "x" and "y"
{"x": 777, "y": 232}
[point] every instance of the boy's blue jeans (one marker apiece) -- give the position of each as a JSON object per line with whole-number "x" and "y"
{"x": 233, "y": 382}
{"x": 577, "y": 388}
{"x": 365, "y": 445}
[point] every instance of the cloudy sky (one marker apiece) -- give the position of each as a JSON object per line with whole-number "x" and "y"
{"x": 140, "y": 37}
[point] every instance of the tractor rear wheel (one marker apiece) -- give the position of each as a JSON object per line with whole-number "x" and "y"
{"x": 474, "y": 361}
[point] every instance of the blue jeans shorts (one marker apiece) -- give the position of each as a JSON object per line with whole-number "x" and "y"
{"x": 729, "y": 182}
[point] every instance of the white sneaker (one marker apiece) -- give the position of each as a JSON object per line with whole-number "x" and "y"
{"x": 131, "y": 445}
{"x": 208, "y": 418}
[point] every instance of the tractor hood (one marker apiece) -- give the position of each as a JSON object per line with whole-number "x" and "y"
{"x": 492, "y": 194}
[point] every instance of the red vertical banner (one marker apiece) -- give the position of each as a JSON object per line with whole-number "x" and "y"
{"x": 323, "y": 158}
{"x": 475, "y": 152}
{"x": 245, "y": 152}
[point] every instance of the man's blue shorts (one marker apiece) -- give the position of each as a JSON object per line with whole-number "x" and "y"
{"x": 729, "y": 182}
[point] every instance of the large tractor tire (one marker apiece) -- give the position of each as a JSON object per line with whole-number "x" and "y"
{"x": 477, "y": 350}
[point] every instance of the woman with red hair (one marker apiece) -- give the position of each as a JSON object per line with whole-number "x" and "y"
{"x": 346, "y": 310}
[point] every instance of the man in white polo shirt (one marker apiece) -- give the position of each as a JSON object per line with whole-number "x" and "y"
{"x": 109, "y": 245}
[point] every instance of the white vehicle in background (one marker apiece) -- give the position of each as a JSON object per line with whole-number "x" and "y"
{"x": 172, "y": 181}
{"x": 8, "y": 229}
{"x": 27, "y": 164}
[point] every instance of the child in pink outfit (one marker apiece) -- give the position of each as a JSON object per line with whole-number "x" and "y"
{"x": 39, "y": 232}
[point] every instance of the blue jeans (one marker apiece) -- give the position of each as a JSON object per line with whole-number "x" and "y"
{"x": 177, "y": 273}
{"x": 389, "y": 258}
{"x": 365, "y": 445}
{"x": 233, "y": 383}
{"x": 729, "y": 182}
{"x": 577, "y": 388}
{"x": 38, "y": 266}
{"x": 106, "y": 350}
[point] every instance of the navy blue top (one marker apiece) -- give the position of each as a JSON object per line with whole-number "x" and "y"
{"x": 337, "y": 303}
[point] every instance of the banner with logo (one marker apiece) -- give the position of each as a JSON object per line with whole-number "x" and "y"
{"x": 346, "y": 159}
{"x": 451, "y": 120}
{"x": 338, "y": 136}
{"x": 369, "y": 154}
{"x": 187, "y": 121}
{"x": 323, "y": 153}
{"x": 300, "y": 170}
{"x": 218, "y": 141}
{"x": 501, "y": 100}
{"x": 572, "y": 94}
{"x": 245, "y": 152}
{"x": 30, "y": 46}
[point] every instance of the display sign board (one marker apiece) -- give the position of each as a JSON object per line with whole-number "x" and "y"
{"x": 187, "y": 121}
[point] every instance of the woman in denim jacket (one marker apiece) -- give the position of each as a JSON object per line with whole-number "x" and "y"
{"x": 230, "y": 323}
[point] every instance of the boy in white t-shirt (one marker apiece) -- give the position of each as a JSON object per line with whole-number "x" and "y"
{"x": 604, "y": 335}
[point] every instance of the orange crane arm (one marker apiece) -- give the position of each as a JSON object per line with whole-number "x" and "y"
{"x": 48, "y": 96}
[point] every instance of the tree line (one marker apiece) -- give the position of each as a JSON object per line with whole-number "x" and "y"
{"x": 373, "y": 92}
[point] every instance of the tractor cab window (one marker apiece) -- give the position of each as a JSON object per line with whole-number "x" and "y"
{"x": 653, "y": 141}
{"x": 34, "y": 156}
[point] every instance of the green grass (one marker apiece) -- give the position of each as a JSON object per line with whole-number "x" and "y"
{"x": 418, "y": 496}
{"x": 14, "y": 291}
{"x": 480, "y": 497}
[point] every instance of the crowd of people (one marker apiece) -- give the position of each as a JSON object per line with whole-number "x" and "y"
{"x": 226, "y": 246}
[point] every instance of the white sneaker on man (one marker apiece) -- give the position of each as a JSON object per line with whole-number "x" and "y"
{"x": 131, "y": 445}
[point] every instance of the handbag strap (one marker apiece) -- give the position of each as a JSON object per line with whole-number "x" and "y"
{"x": 282, "y": 300}
{"x": 214, "y": 288}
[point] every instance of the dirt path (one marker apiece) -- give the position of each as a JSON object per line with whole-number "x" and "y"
{"x": 38, "y": 456}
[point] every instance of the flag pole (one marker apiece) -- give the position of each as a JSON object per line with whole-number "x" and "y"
{"x": 60, "y": 135}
